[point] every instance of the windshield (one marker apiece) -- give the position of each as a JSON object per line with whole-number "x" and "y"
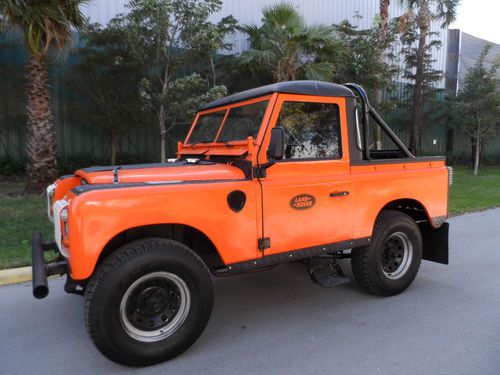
{"x": 206, "y": 127}
{"x": 241, "y": 122}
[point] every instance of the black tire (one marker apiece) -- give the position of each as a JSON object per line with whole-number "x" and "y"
{"x": 375, "y": 267}
{"x": 117, "y": 311}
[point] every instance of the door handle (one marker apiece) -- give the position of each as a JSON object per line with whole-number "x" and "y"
{"x": 339, "y": 194}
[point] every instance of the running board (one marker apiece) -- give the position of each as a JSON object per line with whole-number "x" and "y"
{"x": 290, "y": 256}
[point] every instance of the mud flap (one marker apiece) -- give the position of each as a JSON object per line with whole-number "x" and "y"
{"x": 435, "y": 243}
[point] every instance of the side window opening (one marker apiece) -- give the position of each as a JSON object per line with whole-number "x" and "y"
{"x": 312, "y": 130}
{"x": 380, "y": 143}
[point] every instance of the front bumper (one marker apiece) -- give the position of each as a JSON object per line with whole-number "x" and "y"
{"x": 40, "y": 269}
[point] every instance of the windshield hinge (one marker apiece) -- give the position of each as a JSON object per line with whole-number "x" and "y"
{"x": 260, "y": 171}
{"x": 264, "y": 243}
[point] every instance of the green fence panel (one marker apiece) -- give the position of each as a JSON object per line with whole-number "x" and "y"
{"x": 77, "y": 141}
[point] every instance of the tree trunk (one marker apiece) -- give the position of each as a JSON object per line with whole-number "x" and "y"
{"x": 163, "y": 133}
{"x": 416, "y": 120}
{"x": 114, "y": 146}
{"x": 214, "y": 77}
{"x": 472, "y": 151}
{"x": 41, "y": 168}
{"x": 476, "y": 156}
{"x": 383, "y": 31}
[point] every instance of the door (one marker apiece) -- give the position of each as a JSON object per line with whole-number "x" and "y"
{"x": 307, "y": 195}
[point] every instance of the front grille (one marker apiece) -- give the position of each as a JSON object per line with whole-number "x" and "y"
{"x": 57, "y": 208}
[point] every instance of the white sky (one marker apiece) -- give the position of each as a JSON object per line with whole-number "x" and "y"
{"x": 480, "y": 18}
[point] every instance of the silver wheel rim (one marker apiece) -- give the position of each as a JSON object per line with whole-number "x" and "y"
{"x": 396, "y": 256}
{"x": 171, "y": 326}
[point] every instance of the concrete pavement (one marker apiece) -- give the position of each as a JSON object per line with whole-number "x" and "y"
{"x": 447, "y": 322}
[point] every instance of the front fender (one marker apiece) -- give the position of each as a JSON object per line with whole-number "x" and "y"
{"x": 97, "y": 216}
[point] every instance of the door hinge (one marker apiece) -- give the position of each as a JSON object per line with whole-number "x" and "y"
{"x": 264, "y": 243}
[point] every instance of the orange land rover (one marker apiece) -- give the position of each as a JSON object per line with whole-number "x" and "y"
{"x": 293, "y": 171}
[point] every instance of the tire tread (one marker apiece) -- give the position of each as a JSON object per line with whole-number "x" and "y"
{"x": 118, "y": 259}
{"x": 360, "y": 257}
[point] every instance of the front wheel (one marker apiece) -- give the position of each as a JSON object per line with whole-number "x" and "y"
{"x": 390, "y": 263}
{"x": 148, "y": 302}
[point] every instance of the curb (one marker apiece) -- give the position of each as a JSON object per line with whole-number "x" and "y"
{"x": 15, "y": 275}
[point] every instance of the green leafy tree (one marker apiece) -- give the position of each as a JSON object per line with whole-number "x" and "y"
{"x": 418, "y": 44}
{"x": 185, "y": 96}
{"x": 209, "y": 39}
{"x": 46, "y": 24}
{"x": 165, "y": 36}
{"x": 359, "y": 60}
{"x": 477, "y": 107}
{"x": 288, "y": 47}
{"x": 105, "y": 82}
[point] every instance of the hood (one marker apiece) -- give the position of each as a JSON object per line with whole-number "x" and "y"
{"x": 161, "y": 172}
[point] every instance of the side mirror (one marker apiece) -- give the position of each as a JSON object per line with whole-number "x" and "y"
{"x": 275, "y": 150}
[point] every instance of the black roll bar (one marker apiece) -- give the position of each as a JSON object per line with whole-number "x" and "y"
{"x": 369, "y": 110}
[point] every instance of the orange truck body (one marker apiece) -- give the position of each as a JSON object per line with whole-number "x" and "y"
{"x": 294, "y": 210}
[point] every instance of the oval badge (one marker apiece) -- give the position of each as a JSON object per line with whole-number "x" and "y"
{"x": 302, "y": 201}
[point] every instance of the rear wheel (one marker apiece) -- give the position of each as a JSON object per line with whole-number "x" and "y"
{"x": 148, "y": 302}
{"x": 390, "y": 263}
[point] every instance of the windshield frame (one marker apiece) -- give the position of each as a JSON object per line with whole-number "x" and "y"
{"x": 227, "y": 108}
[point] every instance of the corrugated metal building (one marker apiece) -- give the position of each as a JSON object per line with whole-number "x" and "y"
{"x": 462, "y": 52}
{"x": 314, "y": 11}
{"x": 74, "y": 139}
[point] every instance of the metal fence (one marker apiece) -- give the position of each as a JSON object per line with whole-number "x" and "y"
{"x": 78, "y": 142}
{"x": 75, "y": 139}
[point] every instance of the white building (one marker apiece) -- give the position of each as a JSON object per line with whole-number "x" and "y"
{"x": 314, "y": 11}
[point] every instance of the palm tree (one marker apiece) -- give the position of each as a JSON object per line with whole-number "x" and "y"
{"x": 422, "y": 13}
{"x": 45, "y": 24}
{"x": 383, "y": 32}
{"x": 288, "y": 47}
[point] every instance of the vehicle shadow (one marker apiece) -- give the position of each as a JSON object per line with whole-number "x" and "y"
{"x": 265, "y": 299}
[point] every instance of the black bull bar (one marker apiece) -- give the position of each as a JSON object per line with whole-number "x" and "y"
{"x": 40, "y": 269}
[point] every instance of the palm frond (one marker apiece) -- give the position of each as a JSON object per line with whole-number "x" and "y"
{"x": 322, "y": 71}
{"x": 447, "y": 11}
{"x": 258, "y": 56}
{"x": 283, "y": 16}
{"x": 254, "y": 34}
{"x": 320, "y": 33}
{"x": 44, "y": 22}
